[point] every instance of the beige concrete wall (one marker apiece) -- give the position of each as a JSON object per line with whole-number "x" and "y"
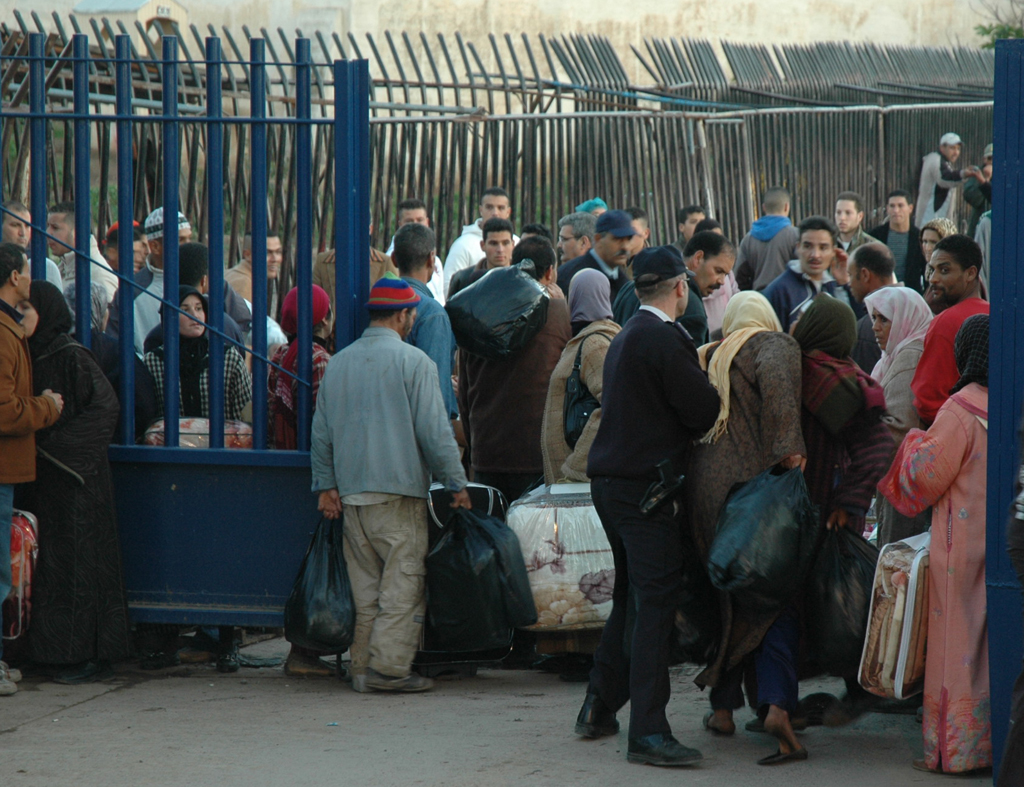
{"x": 911, "y": 22}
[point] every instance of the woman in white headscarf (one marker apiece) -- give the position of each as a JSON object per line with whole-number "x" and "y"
{"x": 756, "y": 370}
{"x": 900, "y": 318}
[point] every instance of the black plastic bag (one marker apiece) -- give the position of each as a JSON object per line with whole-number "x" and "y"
{"x": 767, "y": 533}
{"x": 465, "y": 591}
{"x": 498, "y": 315}
{"x": 520, "y": 608}
{"x": 320, "y": 613}
{"x": 838, "y": 601}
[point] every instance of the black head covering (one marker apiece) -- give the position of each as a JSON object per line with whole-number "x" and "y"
{"x": 193, "y": 358}
{"x": 54, "y": 317}
{"x": 828, "y": 325}
{"x": 970, "y": 348}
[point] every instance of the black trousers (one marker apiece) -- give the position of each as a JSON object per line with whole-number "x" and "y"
{"x": 648, "y": 555}
{"x": 1011, "y": 769}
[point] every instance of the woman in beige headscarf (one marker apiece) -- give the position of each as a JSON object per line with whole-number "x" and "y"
{"x": 756, "y": 369}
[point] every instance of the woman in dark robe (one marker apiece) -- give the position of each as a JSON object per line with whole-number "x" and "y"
{"x": 848, "y": 448}
{"x": 79, "y": 615}
{"x": 756, "y": 370}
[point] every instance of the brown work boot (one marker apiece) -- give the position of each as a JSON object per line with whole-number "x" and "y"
{"x": 411, "y": 682}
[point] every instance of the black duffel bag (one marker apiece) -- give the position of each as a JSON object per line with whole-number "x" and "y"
{"x": 498, "y": 315}
{"x": 465, "y": 589}
{"x": 320, "y": 613}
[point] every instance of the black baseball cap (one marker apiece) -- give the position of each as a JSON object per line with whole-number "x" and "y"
{"x": 658, "y": 263}
{"x": 617, "y": 223}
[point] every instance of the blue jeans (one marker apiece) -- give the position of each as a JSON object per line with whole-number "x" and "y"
{"x": 6, "y": 513}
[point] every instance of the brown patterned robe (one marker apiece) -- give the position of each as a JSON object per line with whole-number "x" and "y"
{"x": 763, "y": 429}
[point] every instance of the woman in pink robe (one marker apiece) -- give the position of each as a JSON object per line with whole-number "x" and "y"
{"x": 945, "y": 468}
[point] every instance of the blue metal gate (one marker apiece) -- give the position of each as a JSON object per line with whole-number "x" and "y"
{"x": 1006, "y": 381}
{"x": 217, "y": 535}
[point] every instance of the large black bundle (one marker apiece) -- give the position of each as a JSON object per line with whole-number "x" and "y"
{"x": 698, "y": 625}
{"x": 838, "y": 601}
{"x": 498, "y": 315}
{"x": 697, "y": 629}
{"x": 767, "y": 534}
{"x": 477, "y": 588}
{"x": 320, "y": 613}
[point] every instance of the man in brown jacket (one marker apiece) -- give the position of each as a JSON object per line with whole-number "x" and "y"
{"x": 324, "y": 274}
{"x": 21, "y": 416}
{"x": 502, "y": 402}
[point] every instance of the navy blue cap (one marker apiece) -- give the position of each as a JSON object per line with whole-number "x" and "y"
{"x": 617, "y": 223}
{"x": 658, "y": 263}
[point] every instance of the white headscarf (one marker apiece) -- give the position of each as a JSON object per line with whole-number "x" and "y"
{"x": 748, "y": 314}
{"x": 910, "y": 318}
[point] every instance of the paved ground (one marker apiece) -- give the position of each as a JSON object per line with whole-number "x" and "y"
{"x": 194, "y": 727}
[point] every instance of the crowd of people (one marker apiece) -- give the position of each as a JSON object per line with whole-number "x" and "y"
{"x": 858, "y": 355}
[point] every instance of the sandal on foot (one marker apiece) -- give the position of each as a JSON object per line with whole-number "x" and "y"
{"x": 781, "y": 757}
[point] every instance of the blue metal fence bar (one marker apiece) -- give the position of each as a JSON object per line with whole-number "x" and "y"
{"x": 358, "y": 119}
{"x": 258, "y": 230}
{"x": 37, "y": 144}
{"x": 215, "y": 197}
{"x": 170, "y": 238}
{"x": 344, "y": 182}
{"x": 304, "y": 236}
{"x": 83, "y": 182}
{"x": 1006, "y": 382}
{"x": 125, "y": 240}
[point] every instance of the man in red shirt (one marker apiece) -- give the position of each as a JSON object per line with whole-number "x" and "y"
{"x": 954, "y": 285}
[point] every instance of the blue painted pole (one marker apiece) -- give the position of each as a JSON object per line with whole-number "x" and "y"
{"x": 172, "y": 384}
{"x": 360, "y": 120}
{"x": 125, "y": 241}
{"x": 346, "y": 218}
{"x": 258, "y": 214}
{"x": 37, "y": 149}
{"x": 83, "y": 187}
{"x": 1006, "y": 381}
{"x": 215, "y": 211}
{"x": 304, "y": 233}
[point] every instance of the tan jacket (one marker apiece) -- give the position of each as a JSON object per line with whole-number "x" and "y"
{"x": 21, "y": 413}
{"x": 324, "y": 271}
{"x": 561, "y": 462}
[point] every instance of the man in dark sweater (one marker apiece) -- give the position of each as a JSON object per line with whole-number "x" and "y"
{"x": 502, "y": 402}
{"x": 656, "y": 402}
{"x": 903, "y": 239}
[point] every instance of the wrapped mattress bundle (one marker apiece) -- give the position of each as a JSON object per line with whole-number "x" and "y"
{"x": 568, "y": 558}
{"x": 195, "y": 433}
{"x": 892, "y": 664}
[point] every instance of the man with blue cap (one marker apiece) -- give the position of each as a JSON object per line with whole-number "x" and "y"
{"x": 380, "y": 430}
{"x": 609, "y": 254}
{"x": 655, "y": 403}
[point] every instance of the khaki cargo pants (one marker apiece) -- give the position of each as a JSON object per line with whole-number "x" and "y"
{"x": 385, "y": 545}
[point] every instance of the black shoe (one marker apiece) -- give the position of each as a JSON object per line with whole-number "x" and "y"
{"x": 595, "y": 719}
{"x": 85, "y": 672}
{"x": 661, "y": 749}
{"x": 228, "y": 662}
{"x": 158, "y": 660}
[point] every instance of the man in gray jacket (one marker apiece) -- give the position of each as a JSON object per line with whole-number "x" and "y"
{"x": 380, "y": 430}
